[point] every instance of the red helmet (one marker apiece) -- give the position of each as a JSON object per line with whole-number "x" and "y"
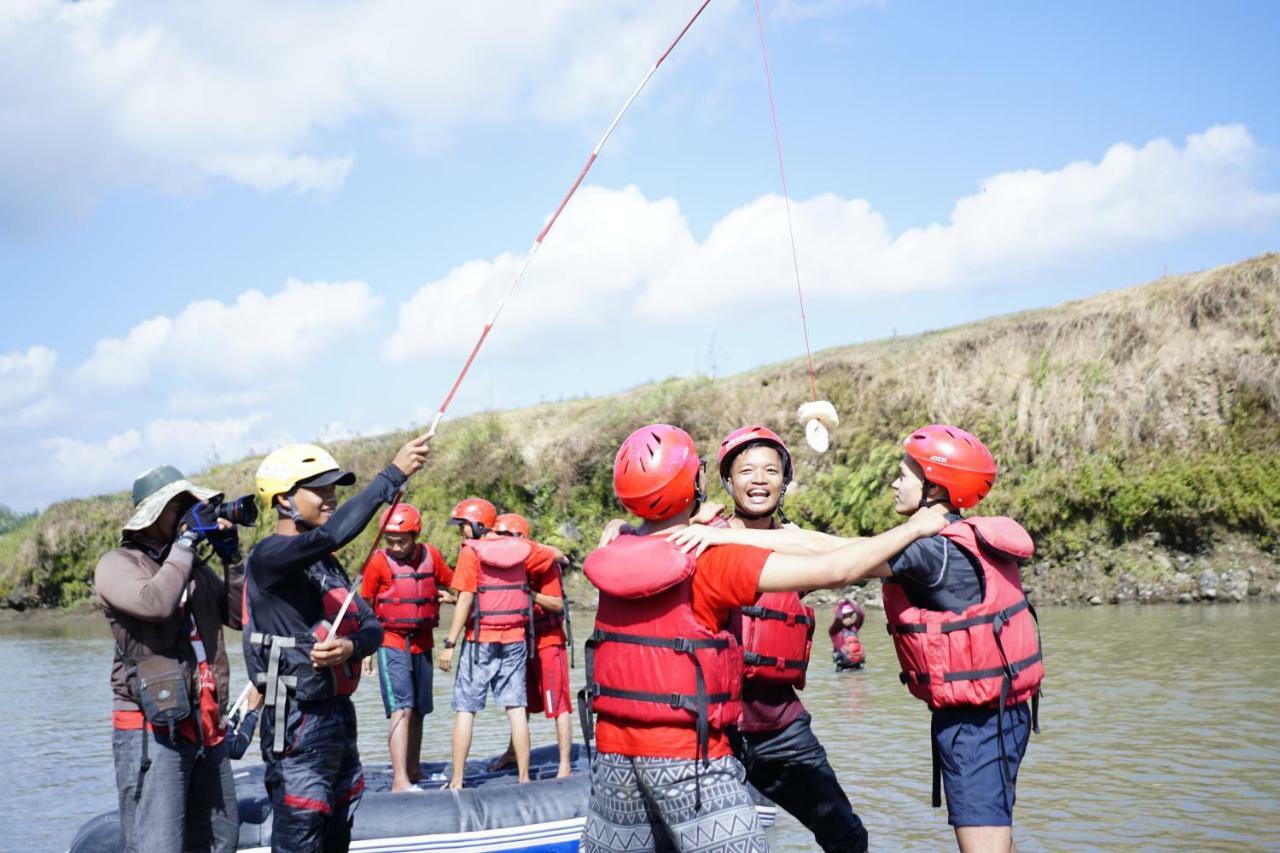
{"x": 955, "y": 460}
{"x": 512, "y": 523}
{"x": 477, "y": 511}
{"x": 401, "y": 518}
{"x": 655, "y": 473}
{"x": 741, "y": 438}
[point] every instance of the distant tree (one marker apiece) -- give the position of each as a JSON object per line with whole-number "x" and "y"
{"x": 10, "y": 520}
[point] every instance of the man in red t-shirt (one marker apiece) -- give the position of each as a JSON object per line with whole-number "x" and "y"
{"x": 670, "y": 752}
{"x": 492, "y": 579}
{"x": 547, "y": 676}
{"x": 405, "y": 583}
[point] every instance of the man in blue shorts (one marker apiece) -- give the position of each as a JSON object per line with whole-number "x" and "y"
{"x": 405, "y": 582}
{"x": 495, "y": 607}
{"x": 962, "y": 587}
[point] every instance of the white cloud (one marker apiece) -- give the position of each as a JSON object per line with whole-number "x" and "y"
{"x": 607, "y": 245}
{"x": 617, "y": 255}
{"x": 172, "y": 95}
{"x": 73, "y": 466}
{"x": 240, "y": 345}
{"x": 24, "y": 377}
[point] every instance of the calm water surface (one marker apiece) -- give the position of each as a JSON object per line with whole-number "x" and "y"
{"x": 1160, "y": 731}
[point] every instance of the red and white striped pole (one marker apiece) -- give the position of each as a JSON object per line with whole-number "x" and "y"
{"x": 537, "y": 243}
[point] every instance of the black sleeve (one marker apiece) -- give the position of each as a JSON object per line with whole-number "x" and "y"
{"x": 276, "y": 556}
{"x": 920, "y": 562}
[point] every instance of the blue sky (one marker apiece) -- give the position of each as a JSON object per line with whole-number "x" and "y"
{"x": 374, "y": 172}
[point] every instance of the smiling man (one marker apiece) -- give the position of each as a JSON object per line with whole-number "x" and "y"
{"x": 306, "y": 666}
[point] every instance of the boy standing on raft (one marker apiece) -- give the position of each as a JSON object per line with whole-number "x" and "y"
{"x": 404, "y": 582}
{"x": 305, "y": 666}
{"x": 547, "y": 675}
{"x": 492, "y": 581}
{"x": 663, "y": 672}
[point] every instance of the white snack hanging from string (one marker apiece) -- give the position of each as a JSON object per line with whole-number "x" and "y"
{"x": 819, "y": 418}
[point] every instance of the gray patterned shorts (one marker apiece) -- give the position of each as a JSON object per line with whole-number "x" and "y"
{"x": 643, "y": 804}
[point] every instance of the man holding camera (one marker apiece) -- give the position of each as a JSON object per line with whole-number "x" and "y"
{"x": 166, "y": 609}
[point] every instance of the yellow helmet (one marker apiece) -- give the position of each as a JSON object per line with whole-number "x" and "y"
{"x": 292, "y": 464}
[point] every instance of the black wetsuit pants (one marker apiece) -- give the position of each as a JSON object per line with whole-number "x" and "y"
{"x": 790, "y": 767}
{"x": 316, "y": 785}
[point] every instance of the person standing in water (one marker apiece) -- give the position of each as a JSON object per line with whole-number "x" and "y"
{"x": 774, "y": 739}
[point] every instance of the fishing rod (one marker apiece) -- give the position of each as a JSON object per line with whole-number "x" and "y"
{"x": 537, "y": 243}
{"x": 818, "y": 416}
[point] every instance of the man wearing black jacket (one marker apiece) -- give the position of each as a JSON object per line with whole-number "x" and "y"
{"x": 305, "y": 666}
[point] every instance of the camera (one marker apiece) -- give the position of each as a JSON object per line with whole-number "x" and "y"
{"x": 242, "y": 511}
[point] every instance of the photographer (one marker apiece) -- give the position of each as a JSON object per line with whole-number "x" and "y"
{"x": 166, "y": 609}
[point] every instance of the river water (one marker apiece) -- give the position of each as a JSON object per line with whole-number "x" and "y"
{"x": 1160, "y": 732}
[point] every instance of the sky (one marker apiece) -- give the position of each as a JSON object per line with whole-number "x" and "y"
{"x": 227, "y": 226}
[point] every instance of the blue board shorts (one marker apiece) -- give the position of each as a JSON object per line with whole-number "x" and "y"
{"x": 967, "y": 741}
{"x": 486, "y": 666}
{"x": 405, "y": 679}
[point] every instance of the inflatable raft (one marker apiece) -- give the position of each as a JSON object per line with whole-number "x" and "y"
{"x": 491, "y": 813}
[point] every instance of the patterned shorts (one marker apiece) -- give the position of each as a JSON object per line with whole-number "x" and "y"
{"x": 647, "y": 804}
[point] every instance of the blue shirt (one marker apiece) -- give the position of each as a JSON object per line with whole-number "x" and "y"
{"x": 936, "y": 574}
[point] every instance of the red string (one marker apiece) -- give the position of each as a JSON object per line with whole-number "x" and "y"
{"x": 786, "y": 198}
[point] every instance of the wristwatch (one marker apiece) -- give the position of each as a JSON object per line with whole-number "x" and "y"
{"x": 448, "y": 643}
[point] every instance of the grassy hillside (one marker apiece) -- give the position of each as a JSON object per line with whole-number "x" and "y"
{"x": 1138, "y": 434}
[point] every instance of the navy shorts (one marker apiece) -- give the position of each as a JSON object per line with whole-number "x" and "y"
{"x": 486, "y": 666}
{"x": 405, "y": 679}
{"x": 968, "y": 749}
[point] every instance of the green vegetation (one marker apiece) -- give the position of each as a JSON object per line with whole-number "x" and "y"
{"x": 1143, "y": 413}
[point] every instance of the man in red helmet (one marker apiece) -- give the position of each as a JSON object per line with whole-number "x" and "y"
{"x": 547, "y": 676}
{"x": 980, "y": 733}
{"x": 982, "y": 681}
{"x": 663, "y": 672}
{"x": 492, "y": 580}
{"x": 404, "y": 583}
{"x": 774, "y": 740}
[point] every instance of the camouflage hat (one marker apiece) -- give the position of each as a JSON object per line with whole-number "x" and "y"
{"x": 153, "y": 489}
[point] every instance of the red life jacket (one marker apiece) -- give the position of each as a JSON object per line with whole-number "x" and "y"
{"x": 410, "y": 602}
{"x": 989, "y": 654}
{"x": 649, "y": 659}
{"x": 776, "y": 634}
{"x": 346, "y": 676}
{"x": 848, "y": 646}
{"x": 503, "y": 598}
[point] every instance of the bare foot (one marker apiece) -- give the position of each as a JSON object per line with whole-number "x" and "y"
{"x": 401, "y": 787}
{"x": 455, "y": 785}
{"x": 502, "y": 762}
{"x": 565, "y": 770}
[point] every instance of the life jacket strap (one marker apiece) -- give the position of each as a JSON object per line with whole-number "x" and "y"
{"x": 272, "y": 681}
{"x": 757, "y": 659}
{"x": 757, "y": 612}
{"x": 962, "y": 624}
{"x": 679, "y": 644}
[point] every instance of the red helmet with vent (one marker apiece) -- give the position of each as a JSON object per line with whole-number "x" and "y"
{"x": 401, "y": 518}
{"x": 955, "y": 460}
{"x": 655, "y": 474}
{"x": 477, "y": 511}
{"x": 513, "y": 524}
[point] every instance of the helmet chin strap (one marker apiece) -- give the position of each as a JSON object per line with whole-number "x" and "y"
{"x": 295, "y": 515}
{"x": 925, "y": 501}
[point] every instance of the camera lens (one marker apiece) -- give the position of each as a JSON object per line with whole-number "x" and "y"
{"x": 242, "y": 511}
